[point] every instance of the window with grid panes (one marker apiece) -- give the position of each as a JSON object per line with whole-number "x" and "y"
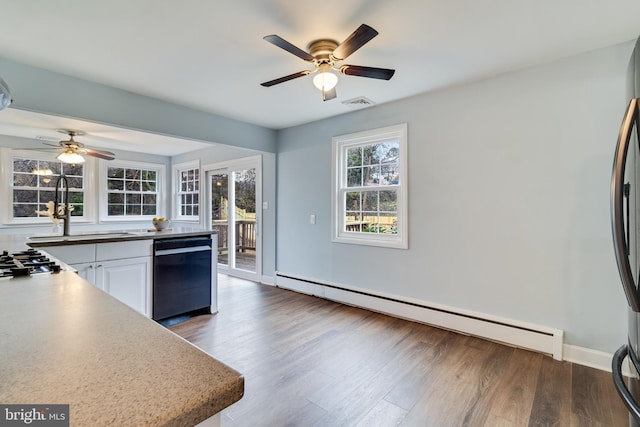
{"x": 132, "y": 191}
{"x": 370, "y": 188}
{"x": 188, "y": 192}
{"x": 33, "y": 181}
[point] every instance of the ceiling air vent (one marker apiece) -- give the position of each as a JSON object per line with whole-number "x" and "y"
{"x": 358, "y": 102}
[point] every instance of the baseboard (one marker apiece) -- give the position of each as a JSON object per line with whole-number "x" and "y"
{"x": 591, "y": 358}
{"x": 511, "y": 332}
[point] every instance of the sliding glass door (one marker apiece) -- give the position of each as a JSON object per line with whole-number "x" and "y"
{"x": 219, "y": 195}
{"x": 234, "y": 190}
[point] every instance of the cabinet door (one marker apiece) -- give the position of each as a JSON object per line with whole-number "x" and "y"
{"x": 87, "y": 271}
{"x": 128, "y": 280}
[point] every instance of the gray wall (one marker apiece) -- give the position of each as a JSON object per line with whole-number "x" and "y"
{"x": 508, "y": 199}
{"x": 43, "y": 91}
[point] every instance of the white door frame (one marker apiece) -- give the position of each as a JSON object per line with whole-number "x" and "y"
{"x": 228, "y": 166}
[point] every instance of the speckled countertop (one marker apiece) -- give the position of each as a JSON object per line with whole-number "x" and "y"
{"x": 64, "y": 341}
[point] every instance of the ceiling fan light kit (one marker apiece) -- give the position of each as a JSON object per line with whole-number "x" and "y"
{"x": 324, "y": 54}
{"x": 70, "y": 157}
{"x": 325, "y": 80}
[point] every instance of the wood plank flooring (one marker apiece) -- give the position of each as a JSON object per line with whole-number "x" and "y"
{"x": 311, "y": 362}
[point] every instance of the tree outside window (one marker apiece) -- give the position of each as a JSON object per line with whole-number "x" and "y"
{"x": 33, "y": 185}
{"x": 371, "y": 202}
{"x": 132, "y": 192}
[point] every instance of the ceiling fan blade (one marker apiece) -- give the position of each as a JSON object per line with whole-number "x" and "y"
{"x": 105, "y": 152}
{"x": 328, "y": 94}
{"x": 355, "y": 41}
{"x": 285, "y": 78}
{"x": 100, "y": 155}
{"x": 371, "y": 72}
{"x": 283, "y": 44}
{"x": 53, "y": 145}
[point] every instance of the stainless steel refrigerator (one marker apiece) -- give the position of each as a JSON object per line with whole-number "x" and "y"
{"x": 625, "y": 221}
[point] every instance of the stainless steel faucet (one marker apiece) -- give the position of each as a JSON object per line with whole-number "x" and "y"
{"x": 66, "y": 215}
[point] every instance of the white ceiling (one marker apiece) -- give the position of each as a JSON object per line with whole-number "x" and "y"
{"x": 210, "y": 55}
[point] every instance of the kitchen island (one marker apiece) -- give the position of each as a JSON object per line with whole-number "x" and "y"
{"x": 63, "y": 341}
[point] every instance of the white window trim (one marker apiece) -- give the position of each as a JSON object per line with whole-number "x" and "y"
{"x": 176, "y": 171}
{"x": 6, "y": 180}
{"x": 161, "y": 201}
{"x": 338, "y": 178}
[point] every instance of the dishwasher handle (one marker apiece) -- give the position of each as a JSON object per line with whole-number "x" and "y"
{"x": 182, "y": 250}
{"x": 179, "y": 243}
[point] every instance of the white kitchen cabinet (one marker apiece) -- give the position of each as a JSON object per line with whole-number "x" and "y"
{"x": 128, "y": 280}
{"x": 122, "y": 269}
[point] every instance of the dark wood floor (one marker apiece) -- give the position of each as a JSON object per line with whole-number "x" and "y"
{"x": 311, "y": 362}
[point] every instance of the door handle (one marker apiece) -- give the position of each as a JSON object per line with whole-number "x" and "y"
{"x": 627, "y": 192}
{"x": 617, "y": 204}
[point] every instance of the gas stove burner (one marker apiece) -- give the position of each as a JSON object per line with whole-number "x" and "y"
{"x": 26, "y": 263}
{"x": 30, "y": 254}
{"x": 29, "y": 251}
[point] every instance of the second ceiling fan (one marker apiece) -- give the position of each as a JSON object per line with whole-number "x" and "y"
{"x": 72, "y": 150}
{"x": 325, "y": 54}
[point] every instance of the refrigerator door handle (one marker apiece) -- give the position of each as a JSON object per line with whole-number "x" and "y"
{"x": 627, "y": 191}
{"x": 617, "y": 204}
{"x": 618, "y": 380}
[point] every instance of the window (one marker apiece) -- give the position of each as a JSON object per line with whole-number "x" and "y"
{"x": 32, "y": 182}
{"x": 133, "y": 190}
{"x": 187, "y": 183}
{"x": 370, "y": 187}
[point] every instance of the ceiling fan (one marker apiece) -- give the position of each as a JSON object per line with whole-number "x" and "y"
{"x": 325, "y": 54}
{"x": 73, "y": 150}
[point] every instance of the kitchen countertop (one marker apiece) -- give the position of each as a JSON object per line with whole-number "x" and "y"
{"x": 64, "y": 341}
{"x": 84, "y": 237}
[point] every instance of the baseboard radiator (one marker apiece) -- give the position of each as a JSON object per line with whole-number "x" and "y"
{"x": 523, "y": 335}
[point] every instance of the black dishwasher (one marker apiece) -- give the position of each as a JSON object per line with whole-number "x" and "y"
{"x": 181, "y": 276}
